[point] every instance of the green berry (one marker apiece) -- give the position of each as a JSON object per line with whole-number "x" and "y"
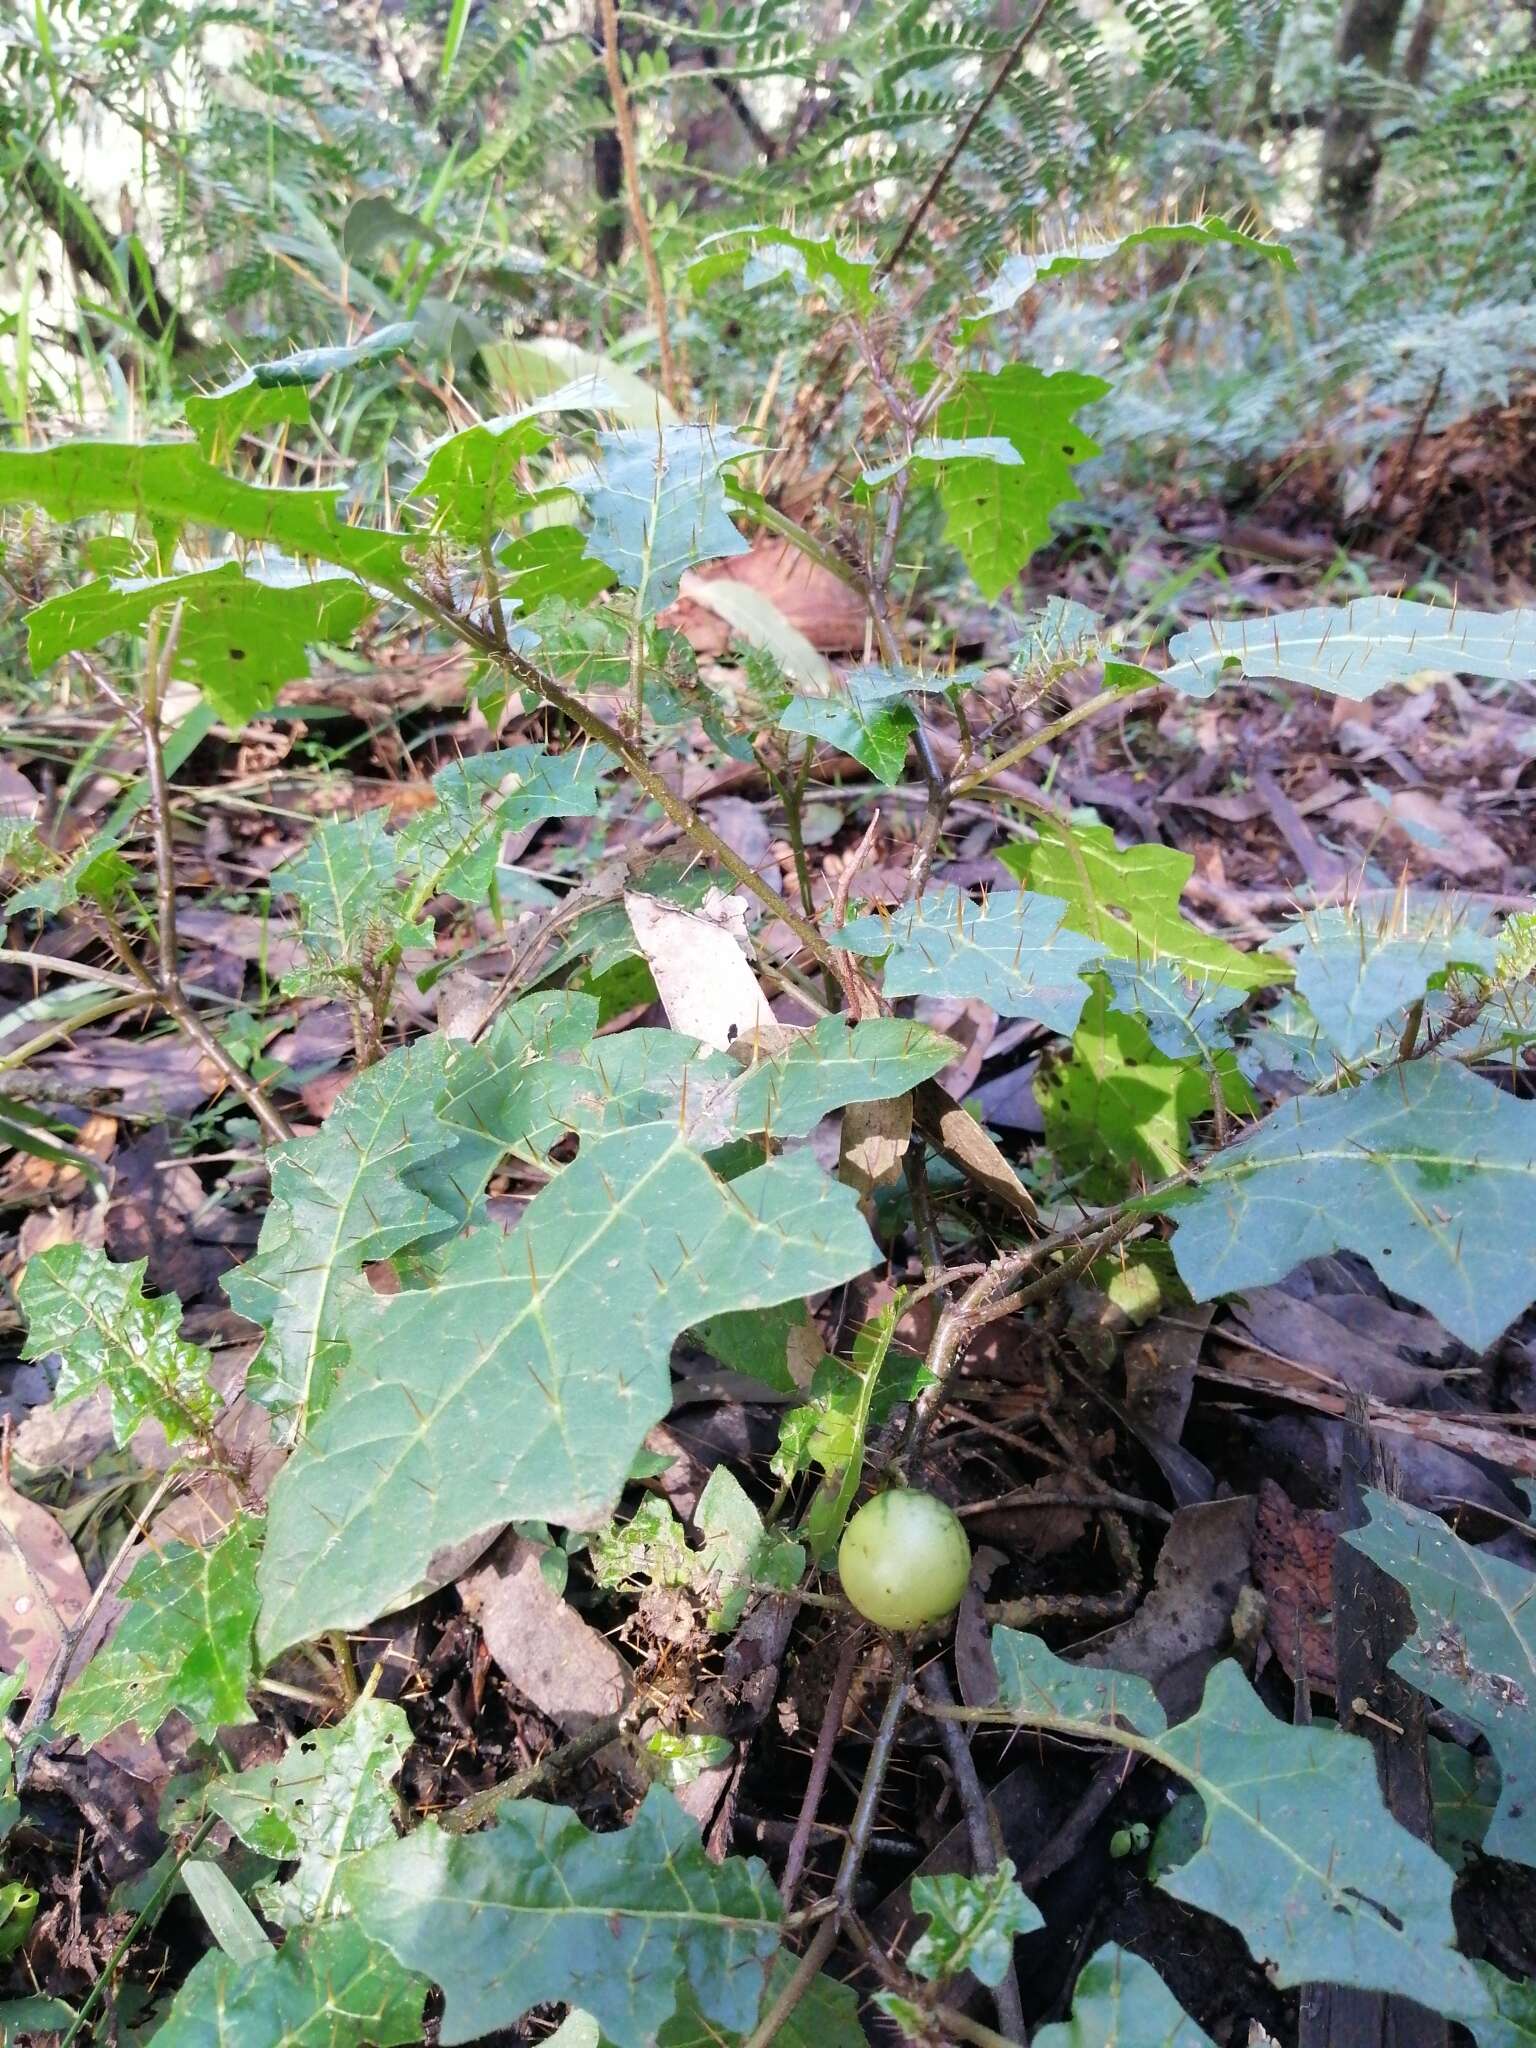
{"x": 904, "y": 1560}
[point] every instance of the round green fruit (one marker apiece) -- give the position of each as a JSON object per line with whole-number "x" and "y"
{"x": 904, "y": 1560}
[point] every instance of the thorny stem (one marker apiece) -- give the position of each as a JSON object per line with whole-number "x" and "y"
{"x": 963, "y": 784}
{"x": 980, "y": 1826}
{"x": 624, "y": 122}
{"x": 860, "y": 1828}
{"x": 821, "y": 1764}
{"x": 1411, "y": 1030}
{"x": 959, "y": 2024}
{"x": 984, "y": 1302}
{"x": 676, "y": 808}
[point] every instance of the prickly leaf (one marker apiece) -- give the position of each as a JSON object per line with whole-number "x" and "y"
{"x": 109, "y": 1334}
{"x": 183, "y": 1645}
{"x": 1119, "y": 2001}
{"x": 1473, "y": 1649}
{"x": 1354, "y": 650}
{"x": 326, "y": 1987}
{"x": 1013, "y": 952}
{"x": 627, "y": 1925}
{"x": 521, "y": 1384}
{"x": 1428, "y": 1171}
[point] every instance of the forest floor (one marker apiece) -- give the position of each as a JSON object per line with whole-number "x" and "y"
{"x": 1222, "y": 1434}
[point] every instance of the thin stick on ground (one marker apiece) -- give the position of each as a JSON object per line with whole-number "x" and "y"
{"x": 163, "y": 983}
{"x": 147, "y": 1915}
{"x": 482, "y": 1806}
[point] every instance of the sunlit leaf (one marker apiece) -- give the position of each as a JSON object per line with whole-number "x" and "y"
{"x": 183, "y": 1645}
{"x": 353, "y": 913}
{"x": 1129, "y": 902}
{"x": 326, "y": 1987}
{"x": 998, "y": 513}
{"x": 170, "y": 483}
{"x": 1119, "y": 1102}
{"x": 1354, "y": 650}
{"x": 325, "y": 1800}
{"x": 109, "y": 1334}
{"x": 243, "y": 632}
{"x": 766, "y": 254}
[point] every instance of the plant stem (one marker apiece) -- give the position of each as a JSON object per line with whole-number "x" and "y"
{"x": 555, "y": 1763}
{"x": 165, "y": 986}
{"x": 807, "y": 1969}
{"x": 821, "y": 1765}
{"x": 624, "y": 122}
{"x": 941, "y": 176}
{"x": 980, "y": 1827}
{"x": 149, "y": 1912}
{"x": 963, "y": 785}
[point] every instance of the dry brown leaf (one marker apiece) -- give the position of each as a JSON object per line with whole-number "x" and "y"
{"x": 875, "y": 1138}
{"x": 559, "y": 1663}
{"x": 1428, "y": 832}
{"x": 1185, "y": 1623}
{"x": 965, "y": 1144}
{"x": 1293, "y": 1567}
{"x": 43, "y": 1590}
{"x": 702, "y": 973}
{"x": 817, "y": 604}
{"x": 1308, "y": 1387}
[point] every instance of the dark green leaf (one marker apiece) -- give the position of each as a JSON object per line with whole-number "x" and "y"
{"x": 1119, "y": 2001}
{"x": 521, "y": 1384}
{"x": 1428, "y": 1171}
{"x": 536, "y": 1909}
{"x": 1473, "y": 1649}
